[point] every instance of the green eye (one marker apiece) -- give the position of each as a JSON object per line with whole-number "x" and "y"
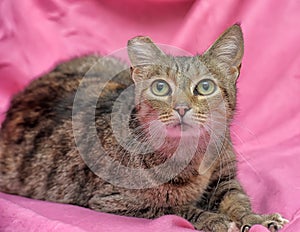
{"x": 205, "y": 87}
{"x": 160, "y": 88}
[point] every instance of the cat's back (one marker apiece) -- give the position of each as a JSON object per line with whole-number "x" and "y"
{"x": 51, "y": 97}
{"x": 37, "y": 148}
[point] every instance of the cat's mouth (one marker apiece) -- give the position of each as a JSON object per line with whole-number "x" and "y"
{"x": 181, "y": 130}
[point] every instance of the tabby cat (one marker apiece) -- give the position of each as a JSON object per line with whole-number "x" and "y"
{"x": 144, "y": 141}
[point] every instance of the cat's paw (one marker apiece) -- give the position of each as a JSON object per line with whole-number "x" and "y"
{"x": 273, "y": 222}
{"x": 216, "y": 222}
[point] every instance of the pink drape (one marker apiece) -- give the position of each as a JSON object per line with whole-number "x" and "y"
{"x": 36, "y": 35}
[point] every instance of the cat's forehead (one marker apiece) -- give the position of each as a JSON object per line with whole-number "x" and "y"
{"x": 187, "y": 69}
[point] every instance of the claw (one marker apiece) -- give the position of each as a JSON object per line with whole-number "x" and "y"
{"x": 285, "y": 221}
{"x": 245, "y": 228}
{"x": 273, "y": 227}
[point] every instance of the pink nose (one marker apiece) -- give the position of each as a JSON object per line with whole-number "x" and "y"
{"x": 182, "y": 109}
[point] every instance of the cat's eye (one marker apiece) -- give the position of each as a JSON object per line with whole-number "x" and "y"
{"x": 205, "y": 87}
{"x": 160, "y": 88}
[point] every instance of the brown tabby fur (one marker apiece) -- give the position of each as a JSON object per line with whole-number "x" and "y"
{"x": 39, "y": 157}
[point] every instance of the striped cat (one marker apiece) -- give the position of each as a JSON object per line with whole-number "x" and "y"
{"x": 144, "y": 141}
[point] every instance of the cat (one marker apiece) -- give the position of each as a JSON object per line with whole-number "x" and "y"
{"x": 144, "y": 141}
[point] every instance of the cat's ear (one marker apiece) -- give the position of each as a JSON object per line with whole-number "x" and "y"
{"x": 228, "y": 49}
{"x": 142, "y": 51}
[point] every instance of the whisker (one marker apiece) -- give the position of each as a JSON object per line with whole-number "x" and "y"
{"x": 239, "y": 153}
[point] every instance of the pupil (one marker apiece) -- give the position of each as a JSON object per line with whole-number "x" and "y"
{"x": 160, "y": 86}
{"x": 205, "y": 85}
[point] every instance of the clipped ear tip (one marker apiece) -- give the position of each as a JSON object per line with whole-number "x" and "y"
{"x": 139, "y": 39}
{"x": 235, "y": 29}
{"x": 237, "y": 24}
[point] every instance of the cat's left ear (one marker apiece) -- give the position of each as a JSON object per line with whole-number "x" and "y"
{"x": 142, "y": 51}
{"x": 228, "y": 50}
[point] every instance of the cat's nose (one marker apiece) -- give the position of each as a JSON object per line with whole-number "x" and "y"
{"x": 182, "y": 109}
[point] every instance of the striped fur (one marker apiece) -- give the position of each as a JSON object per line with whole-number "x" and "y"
{"x": 39, "y": 157}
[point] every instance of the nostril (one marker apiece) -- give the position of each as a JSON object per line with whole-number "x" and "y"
{"x": 182, "y": 109}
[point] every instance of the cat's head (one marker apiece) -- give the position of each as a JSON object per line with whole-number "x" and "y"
{"x": 186, "y": 94}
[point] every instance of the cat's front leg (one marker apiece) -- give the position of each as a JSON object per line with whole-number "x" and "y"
{"x": 236, "y": 205}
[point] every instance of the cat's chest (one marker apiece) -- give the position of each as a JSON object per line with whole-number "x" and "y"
{"x": 171, "y": 195}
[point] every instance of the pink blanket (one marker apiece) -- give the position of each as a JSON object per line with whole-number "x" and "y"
{"x": 35, "y": 35}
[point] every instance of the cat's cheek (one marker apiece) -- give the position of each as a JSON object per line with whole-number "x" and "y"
{"x": 157, "y": 133}
{"x": 147, "y": 114}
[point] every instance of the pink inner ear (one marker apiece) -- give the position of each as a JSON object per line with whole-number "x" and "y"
{"x": 136, "y": 74}
{"x": 142, "y": 51}
{"x": 228, "y": 48}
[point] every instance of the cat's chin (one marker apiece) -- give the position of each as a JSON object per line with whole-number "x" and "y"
{"x": 182, "y": 130}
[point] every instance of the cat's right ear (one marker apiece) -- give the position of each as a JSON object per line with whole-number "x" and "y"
{"x": 143, "y": 52}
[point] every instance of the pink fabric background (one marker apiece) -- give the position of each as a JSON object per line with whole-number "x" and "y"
{"x": 35, "y": 35}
